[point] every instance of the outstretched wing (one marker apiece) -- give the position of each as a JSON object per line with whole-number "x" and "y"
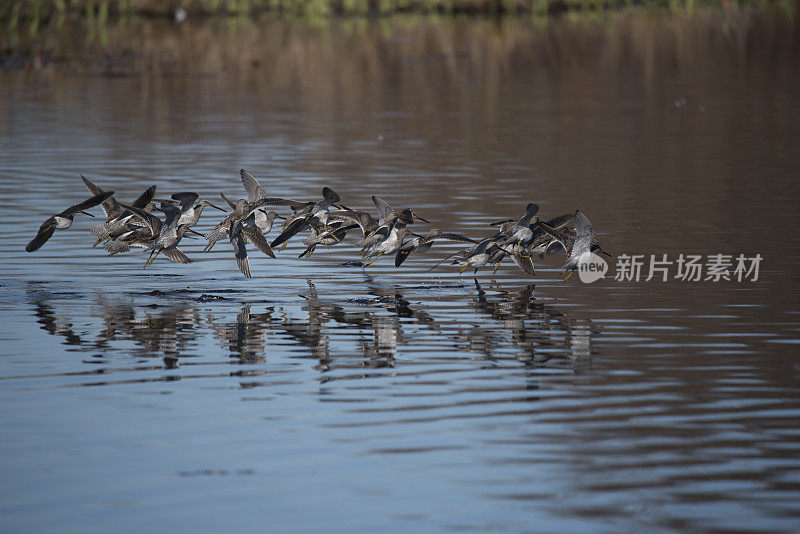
{"x": 239, "y": 250}
{"x": 363, "y": 219}
{"x": 275, "y": 201}
{"x": 561, "y": 220}
{"x": 330, "y": 195}
{"x": 109, "y": 205}
{"x": 448, "y": 236}
{"x": 403, "y": 253}
{"x": 145, "y": 198}
{"x": 185, "y": 200}
{"x": 258, "y": 240}
{"x": 150, "y": 220}
{"x": 175, "y": 255}
{"x": 228, "y": 201}
{"x": 562, "y": 237}
{"x": 383, "y": 207}
{"x": 86, "y": 204}
{"x": 584, "y": 233}
{"x": 45, "y": 232}
{"x": 296, "y": 226}
{"x": 524, "y": 262}
{"x": 252, "y": 188}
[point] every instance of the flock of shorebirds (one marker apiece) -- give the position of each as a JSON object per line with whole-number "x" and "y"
{"x": 328, "y": 222}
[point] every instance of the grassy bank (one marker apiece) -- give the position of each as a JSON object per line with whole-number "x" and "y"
{"x": 16, "y": 12}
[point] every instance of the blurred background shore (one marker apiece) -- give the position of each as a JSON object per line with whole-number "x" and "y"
{"x": 246, "y": 39}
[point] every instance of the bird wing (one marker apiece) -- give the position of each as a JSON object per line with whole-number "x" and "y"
{"x": 584, "y": 233}
{"x": 86, "y": 204}
{"x": 562, "y": 237}
{"x": 524, "y": 262}
{"x": 175, "y": 255}
{"x": 421, "y": 242}
{"x": 330, "y": 195}
{"x": 363, "y": 219}
{"x": 297, "y": 225}
{"x": 171, "y": 214}
{"x": 252, "y": 188}
{"x": 45, "y": 232}
{"x": 383, "y": 207}
{"x": 404, "y": 251}
{"x": 561, "y": 220}
{"x": 275, "y": 201}
{"x": 145, "y": 198}
{"x": 228, "y": 201}
{"x": 185, "y": 200}
{"x": 258, "y": 240}
{"x": 109, "y": 205}
{"x": 150, "y": 220}
{"x": 240, "y": 250}
{"x": 449, "y": 236}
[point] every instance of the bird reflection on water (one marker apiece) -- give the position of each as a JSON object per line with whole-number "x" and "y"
{"x": 352, "y": 334}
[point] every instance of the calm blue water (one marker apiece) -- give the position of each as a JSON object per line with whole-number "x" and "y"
{"x": 322, "y": 397}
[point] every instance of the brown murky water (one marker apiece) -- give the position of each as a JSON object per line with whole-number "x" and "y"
{"x": 319, "y": 396}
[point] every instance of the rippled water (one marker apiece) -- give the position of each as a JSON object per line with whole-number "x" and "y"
{"x": 320, "y": 396}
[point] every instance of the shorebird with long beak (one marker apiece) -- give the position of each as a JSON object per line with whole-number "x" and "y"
{"x": 421, "y": 244}
{"x": 242, "y": 209}
{"x": 165, "y": 235}
{"x": 387, "y": 218}
{"x": 63, "y": 220}
{"x": 517, "y": 235}
{"x": 333, "y": 236}
{"x": 476, "y": 257}
{"x": 394, "y": 240}
{"x": 579, "y": 243}
{"x": 191, "y": 206}
{"x": 365, "y": 222}
{"x": 237, "y": 233}
{"x": 263, "y": 219}
{"x": 309, "y": 216}
{"x": 118, "y": 220}
{"x": 520, "y": 233}
{"x": 387, "y": 213}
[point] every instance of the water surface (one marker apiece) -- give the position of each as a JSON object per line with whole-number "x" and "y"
{"x": 321, "y": 396}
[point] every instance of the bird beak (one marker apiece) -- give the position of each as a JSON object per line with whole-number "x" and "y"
{"x": 606, "y": 253}
{"x": 217, "y": 207}
{"x": 422, "y": 219}
{"x": 196, "y": 233}
{"x": 87, "y": 213}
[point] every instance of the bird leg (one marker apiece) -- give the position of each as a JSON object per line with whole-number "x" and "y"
{"x": 333, "y": 235}
{"x": 373, "y": 260}
{"x": 308, "y": 252}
